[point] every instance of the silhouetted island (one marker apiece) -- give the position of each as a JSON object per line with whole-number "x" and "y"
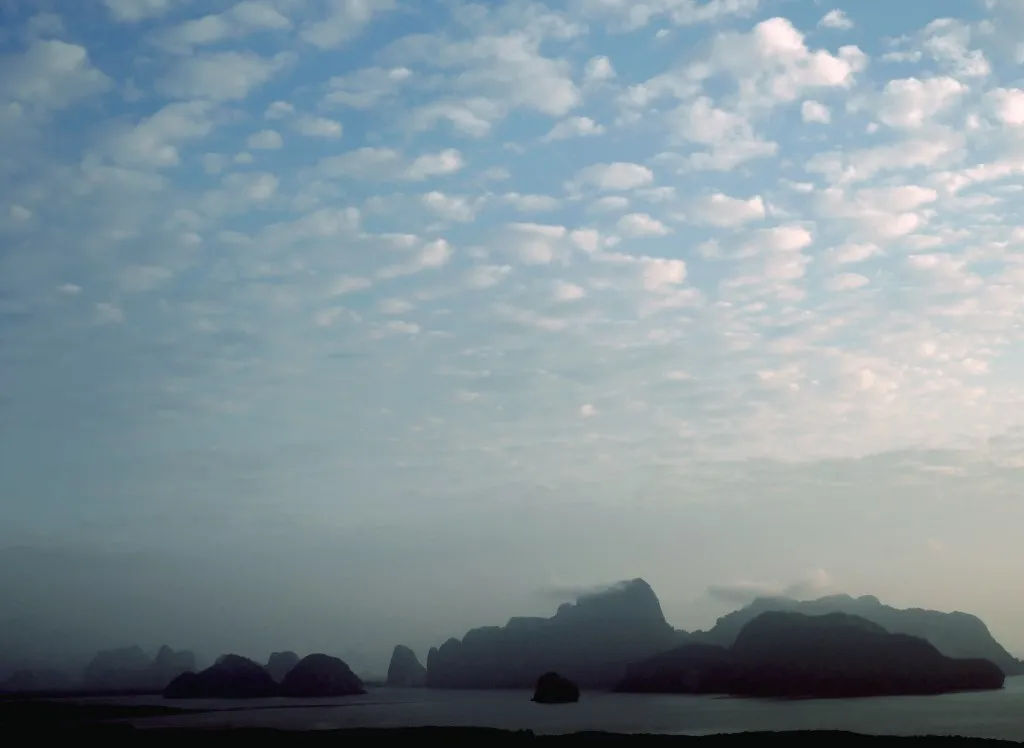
{"x": 405, "y": 670}
{"x": 280, "y": 663}
{"x": 320, "y": 675}
{"x": 552, "y": 688}
{"x": 131, "y": 669}
{"x": 785, "y": 654}
{"x": 953, "y": 634}
{"x": 591, "y": 642}
{"x": 232, "y": 677}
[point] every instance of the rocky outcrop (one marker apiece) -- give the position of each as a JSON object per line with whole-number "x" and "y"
{"x": 280, "y": 663}
{"x": 233, "y": 677}
{"x": 784, "y": 654}
{"x": 552, "y": 688}
{"x": 591, "y": 642}
{"x": 958, "y": 635}
{"x": 405, "y": 671}
{"x": 113, "y": 669}
{"x": 320, "y": 675}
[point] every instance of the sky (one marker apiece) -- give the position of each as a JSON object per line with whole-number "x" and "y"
{"x": 337, "y": 324}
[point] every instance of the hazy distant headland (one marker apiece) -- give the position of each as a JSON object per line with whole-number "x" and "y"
{"x": 616, "y": 638}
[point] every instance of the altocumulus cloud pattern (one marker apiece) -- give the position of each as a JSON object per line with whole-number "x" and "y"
{"x": 345, "y": 258}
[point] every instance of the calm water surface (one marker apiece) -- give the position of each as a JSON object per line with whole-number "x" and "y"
{"x": 993, "y": 714}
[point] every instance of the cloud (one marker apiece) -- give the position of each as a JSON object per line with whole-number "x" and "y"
{"x": 341, "y": 21}
{"x": 221, "y": 76}
{"x": 265, "y": 140}
{"x": 131, "y": 11}
{"x": 574, "y": 127}
{"x": 723, "y": 211}
{"x": 568, "y": 291}
{"x": 617, "y": 176}
{"x": 836, "y": 19}
{"x": 243, "y": 18}
{"x": 318, "y": 127}
{"x": 637, "y": 225}
{"x": 811, "y": 586}
{"x": 387, "y": 164}
{"x": 598, "y": 69}
{"x": 51, "y": 75}
{"x": 912, "y": 103}
{"x": 813, "y": 111}
{"x": 624, "y": 15}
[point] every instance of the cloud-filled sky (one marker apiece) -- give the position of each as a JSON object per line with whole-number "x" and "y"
{"x": 382, "y": 319}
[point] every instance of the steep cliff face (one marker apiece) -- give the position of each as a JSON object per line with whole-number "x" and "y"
{"x": 590, "y": 642}
{"x": 405, "y": 671}
{"x": 957, "y": 635}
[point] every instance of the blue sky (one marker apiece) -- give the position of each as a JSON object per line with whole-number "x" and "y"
{"x": 489, "y": 300}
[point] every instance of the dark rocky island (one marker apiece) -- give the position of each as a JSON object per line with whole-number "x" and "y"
{"x": 792, "y": 655}
{"x": 956, "y": 634}
{"x": 280, "y": 663}
{"x": 320, "y": 675}
{"x": 404, "y": 670}
{"x": 591, "y": 642}
{"x": 131, "y": 669}
{"x": 552, "y": 688}
{"x": 232, "y": 677}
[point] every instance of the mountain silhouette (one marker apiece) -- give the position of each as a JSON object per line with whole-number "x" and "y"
{"x": 590, "y": 642}
{"x": 958, "y": 635}
{"x": 786, "y": 654}
{"x": 405, "y": 670}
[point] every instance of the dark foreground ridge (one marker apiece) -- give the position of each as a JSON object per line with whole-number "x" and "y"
{"x": 62, "y": 719}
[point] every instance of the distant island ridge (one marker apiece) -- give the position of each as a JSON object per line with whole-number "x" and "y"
{"x": 614, "y": 639}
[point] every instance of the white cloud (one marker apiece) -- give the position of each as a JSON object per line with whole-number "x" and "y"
{"x": 659, "y": 273}
{"x": 587, "y": 410}
{"x": 221, "y": 76}
{"x": 433, "y": 255}
{"x": 725, "y": 212}
{"x": 429, "y": 165}
{"x": 598, "y": 69}
{"x": 366, "y": 88}
{"x": 241, "y": 19}
{"x": 729, "y": 136}
{"x": 636, "y": 225}
{"x": 487, "y": 276}
{"x": 342, "y": 21}
{"x": 279, "y": 110}
{"x": 1008, "y": 104}
{"x": 105, "y": 313}
{"x": 265, "y": 140}
{"x": 348, "y": 284}
{"x": 912, "y": 103}
{"x": 453, "y": 208}
{"x": 509, "y": 70}
{"x": 848, "y": 254}
{"x": 130, "y": 11}
{"x": 627, "y": 15}
{"x": 154, "y": 141}
{"x": 51, "y": 75}
{"x": 813, "y": 111}
{"x": 387, "y": 164}
{"x": 836, "y": 19}
{"x": 318, "y": 127}
{"x": 531, "y": 203}
{"x": 568, "y": 291}
{"x": 846, "y": 282}
{"x": 574, "y": 127}
{"x": 618, "y": 176}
